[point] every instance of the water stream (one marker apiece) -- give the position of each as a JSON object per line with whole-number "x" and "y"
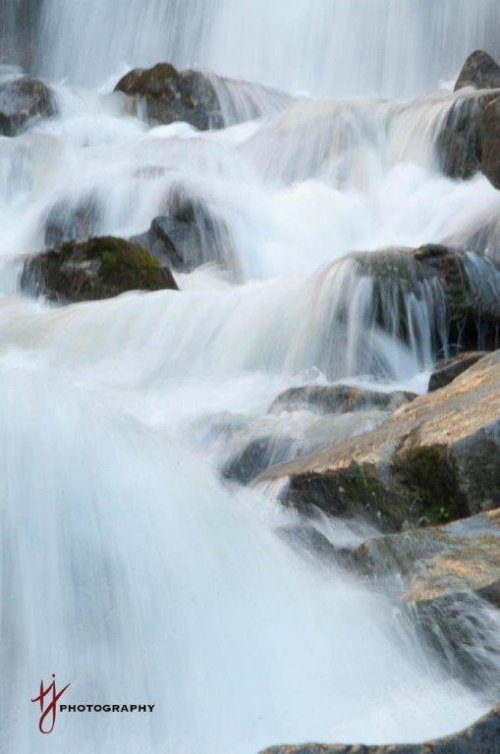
{"x": 132, "y": 570}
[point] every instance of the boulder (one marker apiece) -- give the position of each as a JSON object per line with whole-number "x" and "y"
{"x": 22, "y": 100}
{"x": 169, "y": 95}
{"x": 72, "y": 221}
{"x": 480, "y": 738}
{"x": 436, "y": 459}
{"x": 479, "y": 71}
{"x": 337, "y": 399}
{"x": 95, "y": 269}
{"x": 448, "y": 370}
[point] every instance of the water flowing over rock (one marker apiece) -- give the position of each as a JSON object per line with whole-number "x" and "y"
{"x": 72, "y": 221}
{"x": 95, "y": 269}
{"x": 23, "y": 100}
{"x": 438, "y": 456}
{"x": 480, "y": 738}
{"x": 338, "y": 398}
{"x": 170, "y": 95}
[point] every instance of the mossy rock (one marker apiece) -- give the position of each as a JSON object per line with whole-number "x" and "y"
{"x": 170, "y": 95}
{"x": 96, "y": 269}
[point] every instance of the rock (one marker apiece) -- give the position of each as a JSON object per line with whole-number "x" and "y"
{"x": 72, "y": 221}
{"x": 449, "y": 369}
{"x": 437, "y": 458}
{"x": 459, "y": 144}
{"x": 95, "y": 269}
{"x": 471, "y": 286}
{"x": 337, "y": 398}
{"x": 22, "y": 100}
{"x": 480, "y": 71}
{"x": 170, "y": 95}
{"x": 258, "y": 455}
{"x": 188, "y": 236}
{"x": 480, "y": 738}
{"x": 489, "y": 136}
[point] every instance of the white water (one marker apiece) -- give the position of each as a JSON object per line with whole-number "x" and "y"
{"x": 131, "y": 570}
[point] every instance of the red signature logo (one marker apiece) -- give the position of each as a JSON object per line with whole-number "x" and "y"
{"x": 48, "y": 699}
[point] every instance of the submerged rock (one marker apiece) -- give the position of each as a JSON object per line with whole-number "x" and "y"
{"x": 188, "y": 235}
{"x": 170, "y": 95}
{"x": 479, "y": 71}
{"x": 95, "y": 269}
{"x": 22, "y": 100}
{"x": 436, "y": 459}
{"x": 449, "y": 369}
{"x": 489, "y": 135}
{"x": 480, "y": 738}
{"x": 259, "y": 454}
{"x": 338, "y": 399}
{"x": 72, "y": 221}
{"x": 471, "y": 286}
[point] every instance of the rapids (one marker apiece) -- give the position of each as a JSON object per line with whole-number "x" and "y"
{"x": 129, "y": 568}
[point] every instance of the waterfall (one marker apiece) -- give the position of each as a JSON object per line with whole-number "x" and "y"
{"x": 331, "y": 47}
{"x": 130, "y": 567}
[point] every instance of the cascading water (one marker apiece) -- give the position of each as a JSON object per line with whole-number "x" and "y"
{"x": 132, "y": 570}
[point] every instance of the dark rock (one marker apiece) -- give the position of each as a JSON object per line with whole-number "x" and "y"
{"x": 471, "y": 286}
{"x": 480, "y": 738}
{"x": 489, "y": 134}
{"x": 188, "y": 235}
{"x": 480, "y": 71}
{"x": 449, "y": 369}
{"x": 338, "y": 399}
{"x": 72, "y": 221}
{"x": 437, "y": 458}
{"x": 22, "y": 100}
{"x": 258, "y": 455}
{"x": 170, "y": 95}
{"x": 459, "y": 144}
{"x": 95, "y": 269}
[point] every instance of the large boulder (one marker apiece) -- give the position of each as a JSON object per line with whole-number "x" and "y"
{"x": 22, "y": 100}
{"x": 479, "y": 71}
{"x": 436, "y": 459}
{"x": 169, "y": 95}
{"x": 95, "y": 269}
{"x": 480, "y": 738}
{"x": 448, "y": 370}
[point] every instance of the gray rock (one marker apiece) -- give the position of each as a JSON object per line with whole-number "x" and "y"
{"x": 479, "y": 71}
{"x": 23, "y": 100}
{"x": 338, "y": 399}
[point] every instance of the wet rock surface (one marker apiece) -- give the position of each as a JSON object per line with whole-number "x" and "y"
{"x": 436, "y": 459}
{"x": 480, "y": 738}
{"x": 170, "y": 95}
{"x": 21, "y": 101}
{"x": 96, "y": 269}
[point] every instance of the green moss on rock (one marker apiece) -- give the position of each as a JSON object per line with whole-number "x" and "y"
{"x": 95, "y": 269}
